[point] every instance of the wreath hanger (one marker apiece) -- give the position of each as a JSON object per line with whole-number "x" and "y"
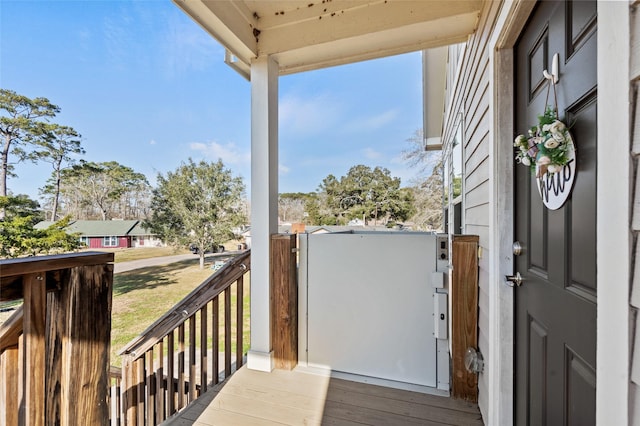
{"x": 553, "y": 80}
{"x": 554, "y": 77}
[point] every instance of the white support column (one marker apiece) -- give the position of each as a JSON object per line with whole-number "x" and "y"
{"x": 264, "y": 205}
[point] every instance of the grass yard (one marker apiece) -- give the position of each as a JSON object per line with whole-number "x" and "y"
{"x": 141, "y": 296}
{"x": 129, "y": 254}
{"x": 121, "y": 255}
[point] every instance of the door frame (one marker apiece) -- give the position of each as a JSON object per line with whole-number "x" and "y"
{"x": 614, "y": 242}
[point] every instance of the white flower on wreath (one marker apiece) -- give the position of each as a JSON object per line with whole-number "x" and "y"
{"x": 545, "y": 145}
{"x": 557, "y": 127}
{"x": 551, "y": 143}
{"x": 543, "y": 160}
{"x": 557, "y": 130}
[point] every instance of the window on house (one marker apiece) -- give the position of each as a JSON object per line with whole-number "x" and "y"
{"x": 110, "y": 241}
{"x": 454, "y": 181}
{"x": 84, "y": 241}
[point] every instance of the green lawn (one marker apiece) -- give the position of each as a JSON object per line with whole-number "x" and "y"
{"x": 141, "y": 296}
{"x": 129, "y": 254}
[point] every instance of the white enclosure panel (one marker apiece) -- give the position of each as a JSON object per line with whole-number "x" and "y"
{"x": 370, "y": 305}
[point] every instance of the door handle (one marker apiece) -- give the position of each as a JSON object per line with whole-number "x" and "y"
{"x": 514, "y": 279}
{"x": 518, "y": 248}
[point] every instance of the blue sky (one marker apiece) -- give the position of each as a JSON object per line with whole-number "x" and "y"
{"x": 147, "y": 87}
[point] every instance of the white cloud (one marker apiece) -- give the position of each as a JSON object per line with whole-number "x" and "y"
{"x": 282, "y": 169}
{"x": 371, "y": 154}
{"x": 304, "y": 116}
{"x": 152, "y": 142}
{"x": 116, "y": 40}
{"x": 187, "y": 47}
{"x": 397, "y": 160}
{"x": 373, "y": 122}
{"x": 133, "y": 33}
{"x": 229, "y": 153}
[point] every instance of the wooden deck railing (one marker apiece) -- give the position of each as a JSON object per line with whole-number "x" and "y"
{"x": 54, "y": 350}
{"x": 174, "y": 361}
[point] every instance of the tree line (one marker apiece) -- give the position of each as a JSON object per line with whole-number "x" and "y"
{"x": 371, "y": 196}
{"x": 76, "y": 188}
{"x": 198, "y": 203}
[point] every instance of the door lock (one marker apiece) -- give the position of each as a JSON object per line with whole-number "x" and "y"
{"x": 514, "y": 279}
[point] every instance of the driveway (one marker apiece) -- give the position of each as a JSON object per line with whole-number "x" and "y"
{"x": 152, "y": 261}
{"x": 164, "y": 260}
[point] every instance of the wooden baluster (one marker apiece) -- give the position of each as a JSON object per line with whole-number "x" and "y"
{"x": 114, "y": 402}
{"x": 150, "y": 387}
{"x": 239, "y": 322}
{"x": 10, "y": 367}
{"x": 227, "y": 332}
{"x": 35, "y": 296}
{"x": 139, "y": 371}
{"x": 171, "y": 388}
{"x": 56, "y": 312}
{"x": 215, "y": 314}
{"x": 129, "y": 390}
{"x": 133, "y": 390}
{"x": 192, "y": 358}
{"x": 160, "y": 393}
{"x": 21, "y": 374}
{"x": 203, "y": 349}
{"x": 9, "y": 378}
{"x": 119, "y": 411}
{"x": 181, "y": 366}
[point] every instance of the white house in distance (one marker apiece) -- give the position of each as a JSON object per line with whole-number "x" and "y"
{"x": 559, "y": 336}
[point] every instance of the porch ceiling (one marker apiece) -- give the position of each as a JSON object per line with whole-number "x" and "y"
{"x": 312, "y": 34}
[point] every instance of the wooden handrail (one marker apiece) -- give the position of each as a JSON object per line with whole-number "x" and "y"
{"x": 115, "y": 372}
{"x": 193, "y": 302}
{"x": 11, "y": 330}
{"x": 28, "y": 265}
{"x": 13, "y": 271}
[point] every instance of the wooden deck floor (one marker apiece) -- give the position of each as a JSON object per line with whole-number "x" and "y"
{"x": 298, "y": 398}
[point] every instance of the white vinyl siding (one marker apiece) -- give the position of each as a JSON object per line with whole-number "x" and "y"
{"x": 634, "y": 385}
{"x": 469, "y": 94}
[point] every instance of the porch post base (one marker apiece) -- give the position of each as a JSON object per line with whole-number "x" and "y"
{"x": 260, "y": 361}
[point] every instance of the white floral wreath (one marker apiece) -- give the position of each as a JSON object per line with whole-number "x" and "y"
{"x": 546, "y": 148}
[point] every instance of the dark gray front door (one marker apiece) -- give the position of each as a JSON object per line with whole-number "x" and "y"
{"x": 555, "y": 330}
